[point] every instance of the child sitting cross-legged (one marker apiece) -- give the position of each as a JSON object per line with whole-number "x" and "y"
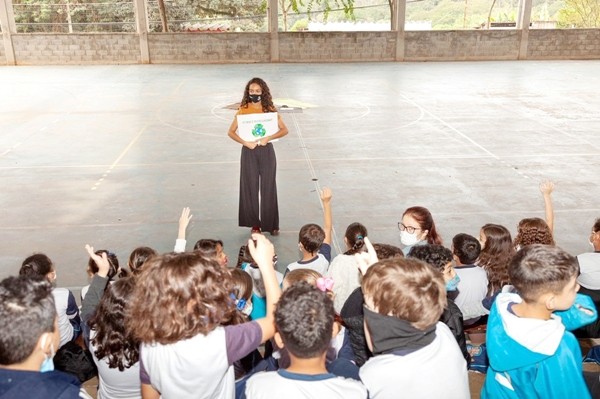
{"x": 531, "y": 353}
{"x": 304, "y": 319}
{"x": 415, "y": 354}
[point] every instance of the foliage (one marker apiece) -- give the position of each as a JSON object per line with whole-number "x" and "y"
{"x": 300, "y": 25}
{"x": 580, "y": 14}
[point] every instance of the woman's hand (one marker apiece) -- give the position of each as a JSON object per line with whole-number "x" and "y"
{"x": 263, "y": 141}
{"x": 250, "y": 144}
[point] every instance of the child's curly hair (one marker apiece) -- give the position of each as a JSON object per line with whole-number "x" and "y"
{"x": 533, "y": 231}
{"x": 178, "y": 296}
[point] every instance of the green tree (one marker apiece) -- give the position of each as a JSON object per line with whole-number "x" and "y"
{"x": 580, "y": 14}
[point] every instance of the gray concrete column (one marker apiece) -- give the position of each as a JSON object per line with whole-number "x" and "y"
{"x": 141, "y": 23}
{"x": 523, "y": 26}
{"x": 7, "y": 20}
{"x": 273, "y": 23}
{"x": 399, "y": 20}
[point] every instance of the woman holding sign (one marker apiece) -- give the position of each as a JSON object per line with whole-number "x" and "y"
{"x": 258, "y": 164}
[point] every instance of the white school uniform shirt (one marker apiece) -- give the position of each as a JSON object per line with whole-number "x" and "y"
{"x": 115, "y": 384}
{"x": 472, "y": 289}
{"x": 437, "y": 370}
{"x": 283, "y": 384}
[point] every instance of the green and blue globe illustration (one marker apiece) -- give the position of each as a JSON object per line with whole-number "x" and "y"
{"x": 259, "y": 130}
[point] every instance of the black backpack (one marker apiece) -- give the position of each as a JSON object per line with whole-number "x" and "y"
{"x": 73, "y": 359}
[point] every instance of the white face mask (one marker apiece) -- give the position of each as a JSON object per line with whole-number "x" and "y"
{"x": 408, "y": 239}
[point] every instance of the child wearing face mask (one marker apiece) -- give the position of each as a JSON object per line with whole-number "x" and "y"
{"x": 29, "y": 338}
{"x": 441, "y": 259}
{"x": 417, "y": 228}
{"x": 404, "y": 299}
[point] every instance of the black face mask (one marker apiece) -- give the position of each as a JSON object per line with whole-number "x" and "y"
{"x": 254, "y": 98}
{"x": 390, "y": 334}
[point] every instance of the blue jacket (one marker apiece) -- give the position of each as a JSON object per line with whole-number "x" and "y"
{"x": 532, "y": 358}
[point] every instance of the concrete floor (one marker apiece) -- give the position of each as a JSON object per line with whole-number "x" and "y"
{"x": 108, "y": 155}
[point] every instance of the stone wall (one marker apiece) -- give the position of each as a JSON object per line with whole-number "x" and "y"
{"x": 564, "y": 44}
{"x": 461, "y": 45}
{"x": 90, "y": 48}
{"x": 206, "y": 48}
{"x": 336, "y": 46}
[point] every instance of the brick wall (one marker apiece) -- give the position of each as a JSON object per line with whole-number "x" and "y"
{"x": 91, "y": 48}
{"x": 564, "y": 44}
{"x": 461, "y": 45}
{"x": 205, "y": 48}
{"x": 336, "y": 46}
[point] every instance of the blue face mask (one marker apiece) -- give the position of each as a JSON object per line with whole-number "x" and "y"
{"x": 48, "y": 363}
{"x": 452, "y": 285}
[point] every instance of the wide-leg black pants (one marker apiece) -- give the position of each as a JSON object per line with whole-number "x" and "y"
{"x": 258, "y": 168}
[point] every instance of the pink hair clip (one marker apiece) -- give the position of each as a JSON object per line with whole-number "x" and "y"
{"x": 325, "y": 284}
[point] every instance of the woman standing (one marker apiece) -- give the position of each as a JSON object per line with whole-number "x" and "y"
{"x": 258, "y": 164}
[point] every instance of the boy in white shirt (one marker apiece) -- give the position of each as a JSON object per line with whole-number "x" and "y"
{"x": 304, "y": 323}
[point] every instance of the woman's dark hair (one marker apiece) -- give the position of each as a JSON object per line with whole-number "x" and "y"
{"x": 355, "y": 237}
{"x": 265, "y": 98}
{"x": 138, "y": 257}
{"x": 208, "y": 247}
{"x": 36, "y": 265}
{"x": 113, "y": 261}
{"x": 112, "y": 339}
{"x": 596, "y": 227}
{"x": 425, "y": 221}
{"x": 495, "y": 256}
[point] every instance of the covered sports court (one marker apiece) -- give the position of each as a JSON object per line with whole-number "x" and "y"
{"x": 109, "y": 155}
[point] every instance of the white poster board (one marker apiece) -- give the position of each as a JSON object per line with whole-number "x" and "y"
{"x": 253, "y": 127}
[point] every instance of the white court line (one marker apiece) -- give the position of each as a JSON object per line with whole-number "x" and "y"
{"x": 450, "y": 126}
{"x": 123, "y": 153}
{"x": 315, "y": 180}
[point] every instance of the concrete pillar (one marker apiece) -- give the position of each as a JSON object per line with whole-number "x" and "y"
{"x": 141, "y": 23}
{"x": 523, "y": 25}
{"x": 273, "y": 24}
{"x": 399, "y": 20}
{"x": 7, "y": 20}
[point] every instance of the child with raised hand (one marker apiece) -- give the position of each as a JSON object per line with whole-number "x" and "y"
{"x": 531, "y": 354}
{"x": 180, "y": 310}
{"x": 404, "y": 299}
{"x": 314, "y": 242}
{"x": 304, "y": 320}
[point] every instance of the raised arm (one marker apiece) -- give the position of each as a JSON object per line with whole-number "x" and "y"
{"x": 546, "y": 187}
{"x": 262, "y": 252}
{"x": 326, "y": 195}
{"x": 97, "y": 286}
{"x": 184, "y": 221}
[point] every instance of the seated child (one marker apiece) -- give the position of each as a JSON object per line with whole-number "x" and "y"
{"x": 340, "y": 356}
{"x": 304, "y": 323}
{"x": 473, "y": 285}
{"x": 207, "y": 246}
{"x": 315, "y": 242}
{"x": 530, "y": 353}
{"x": 440, "y": 258}
{"x": 259, "y": 300}
{"x": 181, "y": 312}
{"x": 415, "y": 355}
{"x": 29, "y": 338}
{"x": 69, "y": 322}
